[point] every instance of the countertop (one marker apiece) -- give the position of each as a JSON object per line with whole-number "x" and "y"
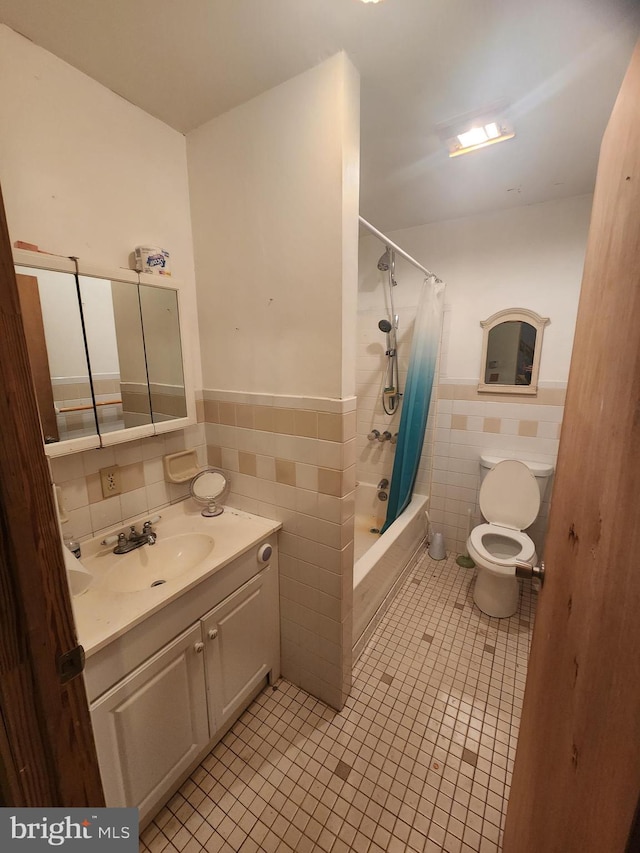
{"x": 102, "y": 614}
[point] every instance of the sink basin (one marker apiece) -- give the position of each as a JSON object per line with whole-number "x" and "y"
{"x": 78, "y": 578}
{"x": 154, "y": 565}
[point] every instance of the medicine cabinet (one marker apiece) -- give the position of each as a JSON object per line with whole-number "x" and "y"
{"x": 511, "y": 350}
{"x": 105, "y": 350}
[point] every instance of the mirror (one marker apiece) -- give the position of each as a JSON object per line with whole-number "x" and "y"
{"x": 57, "y": 355}
{"x": 210, "y": 487}
{"x": 159, "y": 309}
{"x": 511, "y": 349}
{"x": 113, "y": 327}
{"x": 106, "y": 353}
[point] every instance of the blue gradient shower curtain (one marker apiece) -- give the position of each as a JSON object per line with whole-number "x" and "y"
{"x": 417, "y": 394}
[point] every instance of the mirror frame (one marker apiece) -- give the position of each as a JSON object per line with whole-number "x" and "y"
{"x": 213, "y": 504}
{"x": 57, "y": 263}
{"x": 523, "y": 315}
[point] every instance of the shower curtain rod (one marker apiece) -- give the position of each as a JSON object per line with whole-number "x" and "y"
{"x": 395, "y": 247}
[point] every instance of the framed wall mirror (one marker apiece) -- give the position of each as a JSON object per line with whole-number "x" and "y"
{"x": 163, "y": 345}
{"x": 113, "y": 326}
{"x": 511, "y": 350}
{"x": 58, "y": 358}
{"x": 107, "y": 353}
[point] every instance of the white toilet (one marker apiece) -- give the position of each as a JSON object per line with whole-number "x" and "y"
{"x": 510, "y": 495}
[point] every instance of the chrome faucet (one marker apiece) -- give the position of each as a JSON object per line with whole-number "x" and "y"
{"x": 130, "y": 541}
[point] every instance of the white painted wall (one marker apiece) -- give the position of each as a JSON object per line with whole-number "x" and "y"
{"x": 529, "y": 257}
{"x": 274, "y": 194}
{"x": 86, "y": 173}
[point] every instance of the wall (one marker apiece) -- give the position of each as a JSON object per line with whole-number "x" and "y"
{"x": 274, "y": 190}
{"x": 274, "y": 194}
{"x": 528, "y": 257}
{"x": 86, "y": 173}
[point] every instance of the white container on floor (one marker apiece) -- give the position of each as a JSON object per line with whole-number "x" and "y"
{"x": 436, "y": 548}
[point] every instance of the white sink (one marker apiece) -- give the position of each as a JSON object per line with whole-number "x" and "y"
{"x": 77, "y": 575}
{"x": 154, "y": 565}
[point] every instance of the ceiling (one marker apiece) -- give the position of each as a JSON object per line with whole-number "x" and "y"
{"x": 557, "y": 64}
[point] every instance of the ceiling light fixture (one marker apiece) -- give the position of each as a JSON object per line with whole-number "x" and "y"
{"x": 371, "y": 1}
{"x": 479, "y": 136}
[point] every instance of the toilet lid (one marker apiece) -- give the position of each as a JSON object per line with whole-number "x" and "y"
{"x": 510, "y": 496}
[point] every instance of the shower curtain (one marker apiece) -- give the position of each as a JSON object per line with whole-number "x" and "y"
{"x": 417, "y": 394}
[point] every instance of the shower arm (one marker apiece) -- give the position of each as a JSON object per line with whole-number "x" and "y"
{"x": 396, "y": 248}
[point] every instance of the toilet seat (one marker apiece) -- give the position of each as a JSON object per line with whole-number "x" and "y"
{"x": 509, "y": 495}
{"x": 509, "y": 500}
{"x": 500, "y": 565}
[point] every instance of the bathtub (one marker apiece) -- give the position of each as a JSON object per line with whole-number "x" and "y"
{"x": 381, "y": 562}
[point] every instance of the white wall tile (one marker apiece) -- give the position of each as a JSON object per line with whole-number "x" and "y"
{"x": 133, "y": 503}
{"x": 74, "y": 494}
{"x": 106, "y": 513}
{"x": 94, "y": 460}
{"x": 153, "y": 471}
{"x": 157, "y": 495}
{"x": 79, "y": 523}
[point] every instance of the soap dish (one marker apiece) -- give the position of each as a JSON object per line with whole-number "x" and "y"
{"x": 180, "y": 467}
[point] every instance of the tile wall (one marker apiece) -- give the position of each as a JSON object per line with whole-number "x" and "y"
{"x": 374, "y": 459}
{"x": 289, "y": 458}
{"x": 142, "y": 480}
{"x": 293, "y": 459}
{"x": 468, "y": 424}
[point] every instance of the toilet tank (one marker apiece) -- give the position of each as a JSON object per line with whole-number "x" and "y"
{"x": 542, "y": 471}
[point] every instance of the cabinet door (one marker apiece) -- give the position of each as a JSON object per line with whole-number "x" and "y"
{"x": 151, "y": 725}
{"x": 239, "y": 648}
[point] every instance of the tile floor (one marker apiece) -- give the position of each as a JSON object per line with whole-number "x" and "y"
{"x": 419, "y": 759}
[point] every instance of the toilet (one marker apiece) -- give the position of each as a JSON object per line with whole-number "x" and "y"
{"x": 510, "y": 495}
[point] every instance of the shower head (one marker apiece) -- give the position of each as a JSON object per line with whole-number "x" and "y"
{"x": 385, "y": 261}
{"x": 384, "y": 326}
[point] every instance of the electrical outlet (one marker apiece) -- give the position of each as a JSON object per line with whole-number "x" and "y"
{"x": 110, "y": 481}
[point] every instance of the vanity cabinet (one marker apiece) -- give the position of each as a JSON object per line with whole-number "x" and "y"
{"x": 157, "y": 719}
{"x": 237, "y": 644}
{"x": 153, "y": 723}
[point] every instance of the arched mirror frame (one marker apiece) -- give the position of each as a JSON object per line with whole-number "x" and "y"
{"x": 523, "y": 315}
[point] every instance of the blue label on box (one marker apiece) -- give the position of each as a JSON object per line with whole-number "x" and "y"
{"x": 156, "y": 261}
{"x": 77, "y": 830}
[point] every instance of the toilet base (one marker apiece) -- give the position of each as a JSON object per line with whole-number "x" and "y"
{"x": 494, "y": 595}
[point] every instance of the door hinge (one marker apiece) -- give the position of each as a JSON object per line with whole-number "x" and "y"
{"x": 70, "y": 664}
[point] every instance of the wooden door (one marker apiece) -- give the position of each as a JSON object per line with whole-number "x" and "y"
{"x": 47, "y": 753}
{"x": 31, "y": 311}
{"x": 576, "y": 780}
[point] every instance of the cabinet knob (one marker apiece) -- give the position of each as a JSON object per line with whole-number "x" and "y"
{"x": 199, "y": 648}
{"x": 213, "y": 633}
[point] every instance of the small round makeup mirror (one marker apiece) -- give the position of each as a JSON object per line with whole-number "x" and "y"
{"x": 210, "y": 487}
